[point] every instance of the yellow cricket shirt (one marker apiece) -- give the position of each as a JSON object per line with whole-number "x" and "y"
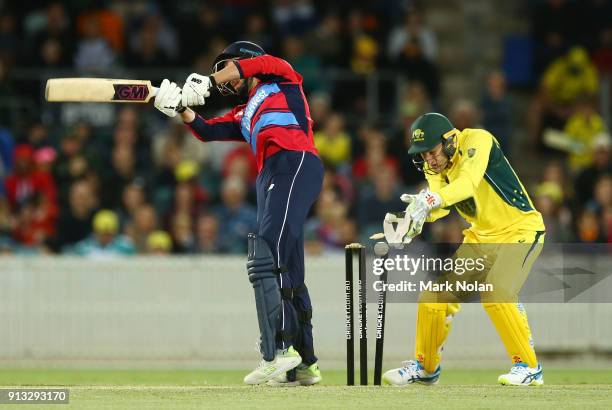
{"x": 483, "y": 187}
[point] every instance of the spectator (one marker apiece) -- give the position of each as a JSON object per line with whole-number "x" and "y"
{"x": 34, "y": 221}
{"x": 71, "y": 165}
{"x": 105, "y": 241}
{"x": 177, "y": 137}
{"x": 258, "y": 31}
{"x": 74, "y": 222}
{"x": 584, "y": 184}
{"x": 333, "y": 142}
{"x": 236, "y": 218}
{"x": 207, "y": 234}
{"x": 464, "y": 114}
{"x": 25, "y": 182}
{"x": 133, "y": 198}
{"x": 241, "y": 163}
{"x": 496, "y": 110}
{"x": 588, "y": 228}
{"x": 145, "y": 50}
{"x": 181, "y": 228}
{"x": 6, "y": 222}
{"x": 325, "y": 231}
{"x": 53, "y": 44}
{"x": 381, "y": 196}
{"x": 327, "y": 41}
{"x": 320, "y": 109}
{"x": 413, "y": 29}
{"x": 294, "y": 17}
{"x": 159, "y": 243}
{"x": 548, "y": 200}
{"x": 6, "y": 154}
{"x": 143, "y": 224}
{"x": 206, "y": 26}
{"x": 9, "y": 39}
{"x": 375, "y": 155}
{"x": 570, "y": 76}
{"x": 93, "y": 55}
{"x": 121, "y": 173}
{"x": 365, "y": 55}
{"x": 189, "y": 195}
{"x": 553, "y": 30}
{"x": 108, "y": 23}
{"x": 303, "y": 62}
{"x": 602, "y": 195}
{"x": 582, "y": 128}
{"x": 554, "y": 172}
{"x": 602, "y": 56}
{"x": 415, "y": 66}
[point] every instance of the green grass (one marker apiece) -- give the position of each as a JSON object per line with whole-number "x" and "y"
{"x": 158, "y": 389}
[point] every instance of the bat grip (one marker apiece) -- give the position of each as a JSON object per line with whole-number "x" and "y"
{"x": 179, "y": 108}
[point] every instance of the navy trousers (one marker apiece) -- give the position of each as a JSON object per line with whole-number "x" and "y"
{"x": 287, "y": 186}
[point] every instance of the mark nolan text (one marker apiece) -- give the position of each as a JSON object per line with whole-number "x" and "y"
{"x": 458, "y": 286}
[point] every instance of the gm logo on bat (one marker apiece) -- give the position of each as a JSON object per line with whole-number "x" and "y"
{"x": 130, "y": 92}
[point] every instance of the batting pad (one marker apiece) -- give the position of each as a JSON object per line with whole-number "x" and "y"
{"x": 510, "y": 320}
{"x": 433, "y": 325}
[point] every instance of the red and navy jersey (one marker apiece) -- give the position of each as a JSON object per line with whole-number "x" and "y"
{"x": 276, "y": 116}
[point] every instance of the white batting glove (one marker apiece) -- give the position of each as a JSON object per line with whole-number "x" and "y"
{"x": 419, "y": 207}
{"x": 196, "y": 89}
{"x": 168, "y": 98}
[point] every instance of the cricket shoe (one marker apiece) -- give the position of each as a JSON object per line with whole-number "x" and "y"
{"x": 522, "y": 375}
{"x": 411, "y": 372}
{"x": 285, "y": 360}
{"x": 304, "y": 376}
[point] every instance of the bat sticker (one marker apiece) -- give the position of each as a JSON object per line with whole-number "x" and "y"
{"x": 130, "y": 92}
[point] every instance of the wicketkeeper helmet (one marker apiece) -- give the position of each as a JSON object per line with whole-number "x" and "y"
{"x": 429, "y": 130}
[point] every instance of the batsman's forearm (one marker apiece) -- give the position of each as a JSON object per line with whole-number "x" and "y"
{"x": 188, "y": 116}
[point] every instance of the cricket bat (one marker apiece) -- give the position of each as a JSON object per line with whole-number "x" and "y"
{"x": 105, "y": 90}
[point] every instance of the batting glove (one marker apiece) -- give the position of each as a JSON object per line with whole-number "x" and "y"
{"x": 196, "y": 89}
{"x": 168, "y": 98}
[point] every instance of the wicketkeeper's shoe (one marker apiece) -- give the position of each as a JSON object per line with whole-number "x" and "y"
{"x": 411, "y": 372}
{"x": 304, "y": 376}
{"x": 285, "y": 360}
{"x": 522, "y": 375}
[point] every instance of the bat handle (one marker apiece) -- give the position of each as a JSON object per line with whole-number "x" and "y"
{"x": 179, "y": 108}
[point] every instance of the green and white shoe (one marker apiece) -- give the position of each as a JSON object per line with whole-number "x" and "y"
{"x": 304, "y": 376}
{"x": 284, "y": 361}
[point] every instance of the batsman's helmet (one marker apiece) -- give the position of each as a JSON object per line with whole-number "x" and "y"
{"x": 429, "y": 130}
{"x": 237, "y": 50}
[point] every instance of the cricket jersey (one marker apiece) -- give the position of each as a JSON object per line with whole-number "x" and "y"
{"x": 483, "y": 187}
{"x": 275, "y": 118}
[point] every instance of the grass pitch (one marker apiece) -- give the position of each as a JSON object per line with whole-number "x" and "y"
{"x": 157, "y": 389}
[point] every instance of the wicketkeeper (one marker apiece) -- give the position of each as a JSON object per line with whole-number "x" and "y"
{"x": 275, "y": 122}
{"x": 467, "y": 170}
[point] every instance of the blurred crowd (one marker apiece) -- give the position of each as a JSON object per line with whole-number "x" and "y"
{"x": 103, "y": 179}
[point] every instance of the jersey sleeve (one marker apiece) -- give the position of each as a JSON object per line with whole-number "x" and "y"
{"x": 224, "y": 128}
{"x": 473, "y": 161}
{"x": 267, "y": 68}
{"x": 435, "y": 183}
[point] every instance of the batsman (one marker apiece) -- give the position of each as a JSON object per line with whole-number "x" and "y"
{"x": 467, "y": 170}
{"x": 275, "y": 121}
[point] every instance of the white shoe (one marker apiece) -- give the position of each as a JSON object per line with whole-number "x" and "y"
{"x": 284, "y": 361}
{"x": 522, "y": 375}
{"x": 304, "y": 376}
{"x": 411, "y": 372}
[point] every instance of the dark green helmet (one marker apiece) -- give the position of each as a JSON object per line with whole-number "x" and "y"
{"x": 427, "y": 131}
